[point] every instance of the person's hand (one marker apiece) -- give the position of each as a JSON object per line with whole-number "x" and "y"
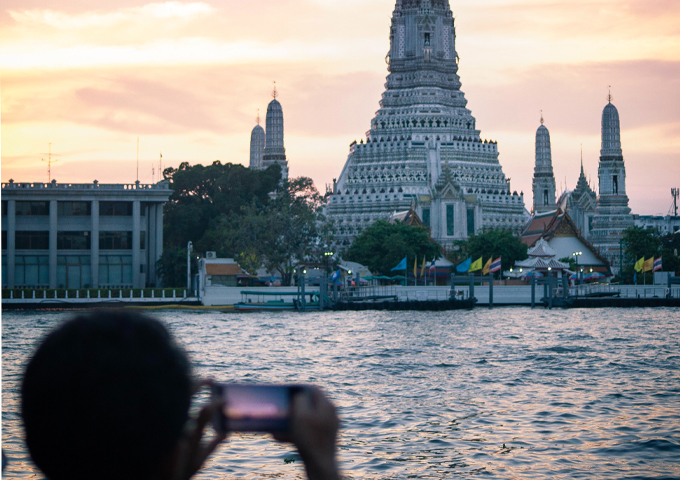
{"x": 314, "y": 429}
{"x": 191, "y": 451}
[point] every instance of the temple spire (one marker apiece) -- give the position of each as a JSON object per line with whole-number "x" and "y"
{"x": 609, "y": 97}
{"x": 275, "y": 93}
{"x": 258, "y": 116}
{"x": 542, "y": 122}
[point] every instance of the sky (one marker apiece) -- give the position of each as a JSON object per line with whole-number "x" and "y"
{"x": 188, "y": 77}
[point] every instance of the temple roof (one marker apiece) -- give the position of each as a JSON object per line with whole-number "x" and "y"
{"x": 611, "y": 132}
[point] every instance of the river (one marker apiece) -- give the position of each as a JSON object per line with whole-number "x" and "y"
{"x": 511, "y": 393}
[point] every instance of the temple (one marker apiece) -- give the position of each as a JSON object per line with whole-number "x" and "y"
{"x": 612, "y": 213}
{"x": 423, "y": 150}
{"x": 266, "y": 147}
{"x": 544, "y": 178}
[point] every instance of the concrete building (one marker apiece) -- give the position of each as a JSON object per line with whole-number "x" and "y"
{"x": 82, "y": 235}
{"x": 423, "y": 149}
{"x": 663, "y": 224}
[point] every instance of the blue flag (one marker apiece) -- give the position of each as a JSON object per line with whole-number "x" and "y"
{"x": 401, "y": 266}
{"x": 465, "y": 266}
{"x": 335, "y": 275}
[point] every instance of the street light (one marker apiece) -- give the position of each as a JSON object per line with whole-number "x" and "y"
{"x": 576, "y": 255}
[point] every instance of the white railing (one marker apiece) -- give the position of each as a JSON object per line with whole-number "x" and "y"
{"x": 101, "y": 295}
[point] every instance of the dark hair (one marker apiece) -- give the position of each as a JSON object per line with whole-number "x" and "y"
{"x": 105, "y": 396}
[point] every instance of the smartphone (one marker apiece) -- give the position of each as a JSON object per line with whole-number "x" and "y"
{"x": 255, "y": 408}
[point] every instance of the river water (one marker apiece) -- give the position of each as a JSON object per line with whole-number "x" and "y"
{"x": 511, "y": 393}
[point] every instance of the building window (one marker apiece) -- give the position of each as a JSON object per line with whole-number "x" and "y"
{"x": 115, "y": 209}
{"x": 115, "y": 240}
{"x": 73, "y": 241}
{"x": 471, "y": 221}
{"x": 4, "y": 239}
{"x": 31, "y": 271}
{"x": 426, "y": 217}
{"x": 32, "y": 208}
{"x": 427, "y": 39}
{"x": 449, "y": 220}
{"x": 32, "y": 240}
{"x": 74, "y": 271}
{"x": 545, "y": 197}
{"x": 616, "y": 184}
{"x": 142, "y": 240}
{"x": 115, "y": 270}
{"x": 74, "y": 209}
{"x": 590, "y": 224}
{"x": 4, "y": 207}
{"x": 4, "y": 271}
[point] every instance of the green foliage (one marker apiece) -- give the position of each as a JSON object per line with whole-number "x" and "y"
{"x": 172, "y": 267}
{"x": 647, "y": 243}
{"x": 281, "y": 234}
{"x": 383, "y": 245}
{"x": 571, "y": 261}
{"x": 203, "y": 193}
{"x": 490, "y": 244}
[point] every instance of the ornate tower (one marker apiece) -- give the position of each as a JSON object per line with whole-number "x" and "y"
{"x": 423, "y": 149}
{"x": 274, "y": 152}
{"x": 612, "y": 213}
{"x": 257, "y": 142}
{"x": 544, "y": 178}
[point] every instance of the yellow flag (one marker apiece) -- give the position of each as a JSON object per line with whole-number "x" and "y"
{"x": 415, "y": 267}
{"x": 487, "y": 266}
{"x": 639, "y": 264}
{"x": 476, "y": 266}
{"x": 648, "y": 265}
{"x": 422, "y": 269}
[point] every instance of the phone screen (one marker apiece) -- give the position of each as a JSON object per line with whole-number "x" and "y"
{"x": 255, "y": 408}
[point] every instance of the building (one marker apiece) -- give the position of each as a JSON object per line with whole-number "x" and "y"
{"x": 557, "y": 231}
{"x": 612, "y": 214}
{"x": 544, "y": 178}
{"x": 82, "y": 235}
{"x": 663, "y": 224}
{"x": 221, "y": 272}
{"x": 423, "y": 149}
{"x": 581, "y": 204}
{"x": 266, "y": 146}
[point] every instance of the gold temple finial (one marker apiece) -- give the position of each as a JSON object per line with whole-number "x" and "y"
{"x": 541, "y": 117}
{"x": 609, "y": 97}
{"x": 275, "y": 93}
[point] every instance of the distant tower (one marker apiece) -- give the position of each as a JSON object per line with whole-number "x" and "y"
{"x": 274, "y": 152}
{"x": 612, "y": 214}
{"x": 257, "y": 143}
{"x": 544, "y": 178}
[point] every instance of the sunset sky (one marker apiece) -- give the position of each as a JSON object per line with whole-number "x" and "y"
{"x": 187, "y": 78}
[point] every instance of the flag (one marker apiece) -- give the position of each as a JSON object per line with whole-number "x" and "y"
{"x": 635, "y": 278}
{"x": 476, "y": 265}
{"x": 335, "y": 275}
{"x": 422, "y": 269}
{"x": 495, "y": 266}
{"x": 465, "y": 266}
{"x": 415, "y": 267}
{"x": 639, "y": 264}
{"x": 648, "y": 265}
{"x": 432, "y": 267}
{"x": 401, "y": 266}
{"x": 485, "y": 270}
{"x": 658, "y": 265}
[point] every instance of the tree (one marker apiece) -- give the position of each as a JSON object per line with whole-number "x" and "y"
{"x": 639, "y": 242}
{"x": 383, "y": 245}
{"x": 172, "y": 267}
{"x": 571, "y": 261}
{"x": 282, "y": 233}
{"x": 491, "y": 244}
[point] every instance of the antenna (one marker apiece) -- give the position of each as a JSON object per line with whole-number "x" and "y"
{"x": 137, "y": 159}
{"x": 49, "y": 162}
{"x": 675, "y": 192}
{"x": 160, "y": 166}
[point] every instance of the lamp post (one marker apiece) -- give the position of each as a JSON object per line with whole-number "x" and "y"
{"x": 190, "y": 248}
{"x": 327, "y": 256}
{"x": 576, "y": 255}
